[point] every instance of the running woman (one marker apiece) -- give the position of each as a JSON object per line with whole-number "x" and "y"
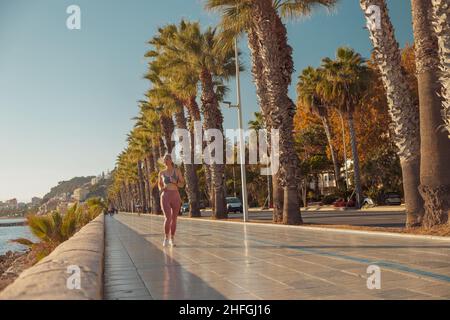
{"x": 170, "y": 180}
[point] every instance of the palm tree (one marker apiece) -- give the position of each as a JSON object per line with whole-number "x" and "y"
{"x": 308, "y": 95}
{"x": 127, "y": 177}
{"x": 165, "y": 121}
{"x": 260, "y": 124}
{"x": 148, "y": 123}
{"x": 184, "y": 80}
{"x": 272, "y": 67}
{"x": 441, "y": 19}
{"x": 137, "y": 148}
{"x": 435, "y": 145}
{"x": 164, "y": 95}
{"x": 402, "y": 108}
{"x": 191, "y": 48}
{"x": 344, "y": 83}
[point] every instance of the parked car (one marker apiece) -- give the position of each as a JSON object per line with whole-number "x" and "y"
{"x": 392, "y": 199}
{"x": 368, "y": 203}
{"x": 234, "y": 205}
{"x": 185, "y": 208}
{"x": 342, "y": 203}
{"x": 202, "y": 205}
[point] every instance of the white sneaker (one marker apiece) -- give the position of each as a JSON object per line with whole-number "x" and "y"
{"x": 172, "y": 243}
{"x": 166, "y": 243}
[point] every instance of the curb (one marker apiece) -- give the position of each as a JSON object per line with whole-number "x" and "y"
{"x": 323, "y": 229}
{"x": 48, "y": 279}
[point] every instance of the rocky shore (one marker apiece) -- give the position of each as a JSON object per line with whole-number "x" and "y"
{"x": 12, "y": 264}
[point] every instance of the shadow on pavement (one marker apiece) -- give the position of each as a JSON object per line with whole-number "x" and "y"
{"x": 135, "y": 268}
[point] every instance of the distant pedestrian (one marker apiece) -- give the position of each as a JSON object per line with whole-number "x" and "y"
{"x": 170, "y": 180}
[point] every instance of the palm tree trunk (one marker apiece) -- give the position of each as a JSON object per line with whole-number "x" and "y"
{"x": 153, "y": 166}
{"x": 264, "y": 103}
{"x": 305, "y": 192}
{"x": 130, "y": 197}
{"x": 142, "y": 195}
{"x": 194, "y": 113}
{"x": 162, "y": 149}
{"x": 209, "y": 186}
{"x": 276, "y": 57}
{"x": 337, "y": 169}
{"x": 435, "y": 145}
{"x": 157, "y": 154}
{"x": 192, "y": 189}
{"x": 148, "y": 185}
{"x": 213, "y": 119}
{"x": 125, "y": 196}
{"x": 133, "y": 197}
{"x": 402, "y": 108}
{"x": 193, "y": 110}
{"x": 122, "y": 199}
{"x": 441, "y": 10}
{"x": 167, "y": 127}
{"x": 356, "y": 166}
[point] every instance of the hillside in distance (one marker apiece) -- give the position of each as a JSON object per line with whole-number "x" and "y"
{"x": 67, "y": 187}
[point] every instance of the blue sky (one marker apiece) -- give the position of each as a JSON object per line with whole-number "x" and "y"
{"x": 67, "y": 97}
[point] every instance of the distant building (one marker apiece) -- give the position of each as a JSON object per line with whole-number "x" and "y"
{"x": 21, "y": 205}
{"x": 35, "y": 201}
{"x": 326, "y": 183}
{"x": 12, "y": 204}
{"x": 49, "y": 206}
{"x": 64, "y": 197}
{"x": 96, "y": 180}
{"x": 80, "y": 194}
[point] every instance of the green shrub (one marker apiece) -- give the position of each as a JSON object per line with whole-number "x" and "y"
{"x": 54, "y": 228}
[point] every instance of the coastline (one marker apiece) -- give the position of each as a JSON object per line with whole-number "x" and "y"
{"x": 12, "y": 264}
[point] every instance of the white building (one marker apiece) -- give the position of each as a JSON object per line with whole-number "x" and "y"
{"x": 80, "y": 194}
{"x": 96, "y": 180}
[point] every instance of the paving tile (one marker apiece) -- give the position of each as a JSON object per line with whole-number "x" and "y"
{"x": 118, "y": 294}
{"x": 124, "y": 287}
{"x": 282, "y": 295}
{"x": 146, "y": 298}
{"x": 274, "y": 263}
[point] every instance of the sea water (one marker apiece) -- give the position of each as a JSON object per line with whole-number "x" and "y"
{"x": 10, "y": 233}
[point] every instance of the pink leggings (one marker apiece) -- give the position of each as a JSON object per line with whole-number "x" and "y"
{"x": 171, "y": 205}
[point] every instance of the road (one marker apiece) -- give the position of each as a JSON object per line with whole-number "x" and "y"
{"x": 215, "y": 260}
{"x": 394, "y": 217}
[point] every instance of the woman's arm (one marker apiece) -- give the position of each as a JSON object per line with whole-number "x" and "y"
{"x": 160, "y": 182}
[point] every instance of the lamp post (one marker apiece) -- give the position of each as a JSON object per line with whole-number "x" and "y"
{"x": 345, "y": 149}
{"x": 241, "y": 133}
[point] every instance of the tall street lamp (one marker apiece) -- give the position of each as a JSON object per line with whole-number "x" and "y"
{"x": 241, "y": 133}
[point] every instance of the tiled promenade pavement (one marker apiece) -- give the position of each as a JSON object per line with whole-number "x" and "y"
{"x": 231, "y": 261}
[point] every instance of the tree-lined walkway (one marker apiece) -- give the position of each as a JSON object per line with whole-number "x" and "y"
{"x": 216, "y": 260}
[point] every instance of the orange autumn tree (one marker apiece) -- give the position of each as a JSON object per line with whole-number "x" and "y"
{"x": 381, "y": 170}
